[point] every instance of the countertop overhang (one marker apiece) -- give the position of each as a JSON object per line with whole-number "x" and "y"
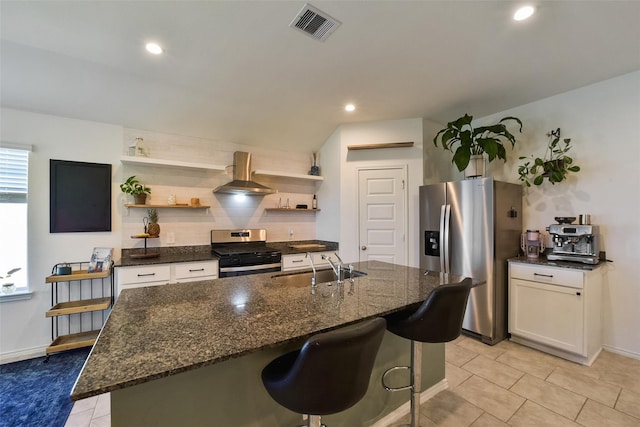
{"x": 158, "y": 331}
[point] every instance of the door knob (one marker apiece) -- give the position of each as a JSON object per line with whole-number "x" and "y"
{"x": 364, "y": 248}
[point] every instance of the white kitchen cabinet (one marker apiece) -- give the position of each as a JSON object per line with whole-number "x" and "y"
{"x": 301, "y": 261}
{"x": 160, "y": 274}
{"x": 194, "y": 271}
{"x": 556, "y": 310}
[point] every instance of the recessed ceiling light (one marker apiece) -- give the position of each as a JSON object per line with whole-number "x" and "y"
{"x": 350, "y": 107}
{"x": 523, "y": 13}
{"x": 153, "y": 48}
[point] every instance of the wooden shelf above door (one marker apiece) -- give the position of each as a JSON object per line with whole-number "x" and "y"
{"x": 380, "y": 145}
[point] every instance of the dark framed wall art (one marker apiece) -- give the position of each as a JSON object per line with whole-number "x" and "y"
{"x": 80, "y": 196}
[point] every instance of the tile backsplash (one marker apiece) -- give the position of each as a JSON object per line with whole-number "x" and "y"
{"x": 185, "y": 227}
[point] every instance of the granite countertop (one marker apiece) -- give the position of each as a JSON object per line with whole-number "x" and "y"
{"x": 157, "y": 331}
{"x": 289, "y": 247}
{"x": 203, "y": 252}
{"x": 542, "y": 260}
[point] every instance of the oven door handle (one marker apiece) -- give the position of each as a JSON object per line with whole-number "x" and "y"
{"x": 250, "y": 267}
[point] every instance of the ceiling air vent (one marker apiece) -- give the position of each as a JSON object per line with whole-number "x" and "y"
{"x": 314, "y": 23}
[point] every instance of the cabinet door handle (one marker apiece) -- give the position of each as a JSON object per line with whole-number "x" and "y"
{"x": 578, "y": 293}
{"x": 147, "y": 274}
{"x": 297, "y": 260}
{"x": 543, "y": 275}
{"x": 195, "y": 269}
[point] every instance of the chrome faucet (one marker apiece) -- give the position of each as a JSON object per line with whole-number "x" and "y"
{"x": 337, "y": 268}
{"x": 313, "y": 267}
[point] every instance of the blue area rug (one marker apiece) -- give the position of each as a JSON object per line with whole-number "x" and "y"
{"x": 36, "y": 393}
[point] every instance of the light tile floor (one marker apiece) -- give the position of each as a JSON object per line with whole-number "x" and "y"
{"x": 513, "y": 385}
{"x": 502, "y": 385}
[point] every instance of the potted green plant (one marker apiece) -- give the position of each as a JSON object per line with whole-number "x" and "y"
{"x": 554, "y": 165}
{"x": 136, "y": 189}
{"x": 468, "y": 143}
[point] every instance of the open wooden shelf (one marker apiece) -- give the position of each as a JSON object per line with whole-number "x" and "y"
{"x": 181, "y": 206}
{"x": 289, "y": 175}
{"x": 291, "y": 210}
{"x": 77, "y": 275}
{"x": 69, "y": 342}
{"x": 379, "y": 145}
{"x": 80, "y": 306}
{"x": 149, "y": 161}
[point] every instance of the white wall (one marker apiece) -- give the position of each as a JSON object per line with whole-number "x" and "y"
{"x": 24, "y": 330}
{"x": 344, "y": 184}
{"x": 603, "y": 122}
{"x": 328, "y": 225}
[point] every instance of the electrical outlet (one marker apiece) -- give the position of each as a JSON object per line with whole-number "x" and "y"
{"x": 291, "y": 234}
{"x": 171, "y": 238}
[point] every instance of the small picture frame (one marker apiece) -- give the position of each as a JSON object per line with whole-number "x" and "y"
{"x": 100, "y": 260}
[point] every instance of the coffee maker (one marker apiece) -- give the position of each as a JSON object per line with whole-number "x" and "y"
{"x": 574, "y": 242}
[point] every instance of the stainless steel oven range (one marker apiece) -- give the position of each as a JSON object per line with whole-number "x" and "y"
{"x": 244, "y": 251}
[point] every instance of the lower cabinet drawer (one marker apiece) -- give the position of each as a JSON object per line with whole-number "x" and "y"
{"x": 550, "y": 275}
{"x": 140, "y": 276}
{"x": 294, "y": 262}
{"x": 299, "y": 261}
{"x": 144, "y": 274}
{"x": 196, "y": 271}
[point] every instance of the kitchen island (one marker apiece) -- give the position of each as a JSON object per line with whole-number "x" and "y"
{"x": 192, "y": 353}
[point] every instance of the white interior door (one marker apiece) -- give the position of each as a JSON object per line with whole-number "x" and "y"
{"x": 382, "y": 207}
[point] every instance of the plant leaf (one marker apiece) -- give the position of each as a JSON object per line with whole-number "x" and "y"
{"x": 512, "y": 118}
{"x": 461, "y": 158}
{"x": 462, "y": 121}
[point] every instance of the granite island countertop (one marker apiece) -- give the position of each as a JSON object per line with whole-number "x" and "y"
{"x": 158, "y": 331}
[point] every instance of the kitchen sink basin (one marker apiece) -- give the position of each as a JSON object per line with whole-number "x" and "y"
{"x": 304, "y": 277}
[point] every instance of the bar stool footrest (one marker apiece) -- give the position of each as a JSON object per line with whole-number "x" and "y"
{"x": 395, "y": 368}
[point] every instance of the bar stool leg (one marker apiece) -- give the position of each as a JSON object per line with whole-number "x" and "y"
{"x": 416, "y": 382}
{"x": 314, "y": 421}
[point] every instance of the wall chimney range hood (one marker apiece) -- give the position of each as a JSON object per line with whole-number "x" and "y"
{"x": 242, "y": 183}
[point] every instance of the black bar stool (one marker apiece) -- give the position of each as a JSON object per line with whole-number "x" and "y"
{"x": 329, "y": 374}
{"x": 437, "y": 320}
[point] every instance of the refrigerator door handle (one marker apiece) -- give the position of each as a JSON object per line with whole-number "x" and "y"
{"x": 445, "y": 215}
{"x": 447, "y": 237}
{"x": 443, "y": 245}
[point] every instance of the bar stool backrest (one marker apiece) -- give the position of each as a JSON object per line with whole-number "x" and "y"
{"x": 439, "y": 317}
{"x": 331, "y": 371}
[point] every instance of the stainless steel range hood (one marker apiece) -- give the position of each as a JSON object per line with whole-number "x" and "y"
{"x": 242, "y": 183}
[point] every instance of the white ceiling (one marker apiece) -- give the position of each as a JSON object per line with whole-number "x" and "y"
{"x": 235, "y": 70}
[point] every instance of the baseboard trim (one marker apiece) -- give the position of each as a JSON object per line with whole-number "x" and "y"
{"x": 403, "y": 409}
{"x": 28, "y": 353}
{"x": 630, "y": 354}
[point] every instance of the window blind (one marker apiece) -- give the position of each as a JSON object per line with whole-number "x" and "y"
{"x": 14, "y": 169}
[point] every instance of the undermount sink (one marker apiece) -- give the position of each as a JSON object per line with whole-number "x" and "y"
{"x": 322, "y": 276}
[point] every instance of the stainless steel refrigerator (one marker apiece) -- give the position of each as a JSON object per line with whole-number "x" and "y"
{"x": 471, "y": 228}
